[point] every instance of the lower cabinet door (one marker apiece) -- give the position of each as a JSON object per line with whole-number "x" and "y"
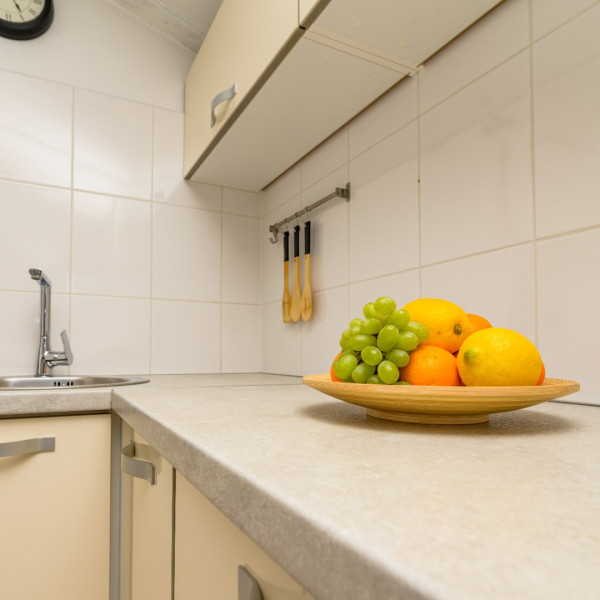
{"x": 55, "y": 508}
{"x": 209, "y": 548}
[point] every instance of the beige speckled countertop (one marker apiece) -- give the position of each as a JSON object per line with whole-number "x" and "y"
{"x": 356, "y": 508}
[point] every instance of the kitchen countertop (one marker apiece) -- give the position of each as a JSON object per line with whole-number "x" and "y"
{"x": 358, "y": 508}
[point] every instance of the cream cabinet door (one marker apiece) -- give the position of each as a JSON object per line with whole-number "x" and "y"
{"x": 305, "y": 7}
{"x": 209, "y": 548}
{"x": 55, "y": 508}
{"x": 243, "y": 40}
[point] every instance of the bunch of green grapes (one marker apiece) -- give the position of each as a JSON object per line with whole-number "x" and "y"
{"x": 376, "y": 347}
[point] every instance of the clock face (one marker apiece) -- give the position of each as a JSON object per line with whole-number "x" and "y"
{"x": 25, "y": 19}
{"x": 21, "y": 11}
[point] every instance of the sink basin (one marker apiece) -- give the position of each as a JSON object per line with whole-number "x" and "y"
{"x": 73, "y": 381}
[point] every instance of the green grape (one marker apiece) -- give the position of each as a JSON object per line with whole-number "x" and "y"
{"x": 375, "y": 379}
{"x": 359, "y": 341}
{"x": 362, "y": 372}
{"x": 345, "y": 337}
{"x": 399, "y": 357}
{"x": 344, "y": 366}
{"x": 370, "y": 312}
{"x": 418, "y": 329}
{"x": 371, "y": 326}
{"x": 385, "y": 305}
{"x": 354, "y": 330}
{"x": 387, "y": 337}
{"x": 407, "y": 341}
{"x": 371, "y": 355}
{"x": 388, "y": 371}
{"x": 402, "y": 383}
{"x": 357, "y": 322}
{"x": 399, "y": 318}
{"x": 347, "y": 350}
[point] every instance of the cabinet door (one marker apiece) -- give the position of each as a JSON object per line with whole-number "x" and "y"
{"x": 243, "y": 40}
{"x": 209, "y": 548}
{"x": 305, "y": 7}
{"x": 152, "y": 532}
{"x": 55, "y": 510}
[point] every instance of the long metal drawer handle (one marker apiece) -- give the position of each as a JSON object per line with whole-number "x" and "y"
{"x": 32, "y": 446}
{"x": 221, "y": 97}
{"x": 248, "y": 588}
{"x": 134, "y": 465}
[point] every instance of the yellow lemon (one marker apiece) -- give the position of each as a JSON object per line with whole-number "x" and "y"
{"x": 447, "y": 323}
{"x": 498, "y": 356}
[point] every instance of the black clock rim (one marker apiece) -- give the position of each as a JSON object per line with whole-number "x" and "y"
{"x": 27, "y": 31}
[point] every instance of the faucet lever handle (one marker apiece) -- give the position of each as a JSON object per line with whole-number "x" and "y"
{"x": 67, "y": 347}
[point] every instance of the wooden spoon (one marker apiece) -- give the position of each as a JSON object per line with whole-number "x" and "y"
{"x": 286, "y": 301}
{"x": 306, "y": 301}
{"x": 296, "y": 297}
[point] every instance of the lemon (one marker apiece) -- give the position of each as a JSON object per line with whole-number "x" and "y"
{"x": 447, "y": 323}
{"x": 498, "y": 356}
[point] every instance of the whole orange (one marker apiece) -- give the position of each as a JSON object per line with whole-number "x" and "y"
{"x": 540, "y": 381}
{"x": 478, "y": 322}
{"x": 334, "y": 377}
{"x": 431, "y": 365}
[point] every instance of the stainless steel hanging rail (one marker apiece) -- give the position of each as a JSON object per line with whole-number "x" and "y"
{"x": 339, "y": 193}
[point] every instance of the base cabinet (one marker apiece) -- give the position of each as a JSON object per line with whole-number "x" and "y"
{"x": 209, "y": 548}
{"x": 55, "y": 508}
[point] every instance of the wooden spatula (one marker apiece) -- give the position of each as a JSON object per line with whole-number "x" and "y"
{"x": 306, "y": 301}
{"x": 296, "y": 297}
{"x": 286, "y": 302}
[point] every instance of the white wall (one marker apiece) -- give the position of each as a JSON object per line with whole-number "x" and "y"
{"x": 476, "y": 181}
{"x": 150, "y": 274}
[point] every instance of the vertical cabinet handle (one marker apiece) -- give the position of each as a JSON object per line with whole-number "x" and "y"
{"x": 135, "y": 461}
{"x": 221, "y": 97}
{"x": 32, "y": 446}
{"x": 248, "y": 588}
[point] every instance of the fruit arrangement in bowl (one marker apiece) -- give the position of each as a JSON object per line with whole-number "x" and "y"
{"x": 431, "y": 362}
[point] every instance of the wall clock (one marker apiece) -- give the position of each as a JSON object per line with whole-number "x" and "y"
{"x": 25, "y": 19}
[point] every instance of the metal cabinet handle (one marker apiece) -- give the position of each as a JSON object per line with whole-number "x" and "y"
{"x": 135, "y": 461}
{"x": 248, "y": 588}
{"x": 32, "y": 446}
{"x": 221, "y": 97}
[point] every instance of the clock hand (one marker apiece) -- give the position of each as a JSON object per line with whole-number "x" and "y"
{"x": 18, "y": 7}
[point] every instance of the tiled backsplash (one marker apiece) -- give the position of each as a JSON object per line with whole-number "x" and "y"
{"x": 150, "y": 274}
{"x": 477, "y": 180}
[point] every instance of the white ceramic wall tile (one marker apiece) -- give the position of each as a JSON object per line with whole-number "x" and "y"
{"x": 384, "y": 225}
{"x": 326, "y": 158}
{"x": 186, "y": 337}
{"x": 240, "y": 271}
{"x": 112, "y": 145}
{"x": 36, "y": 233}
{"x": 329, "y": 233}
{"x": 499, "y": 286}
{"x": 402, "y": 287}
{"x": 568, "y": 292}
{"x": 548, "y": 14}
{"x": 167, "y": 155}
{"x": 391, "y": 112}
{"x": 284, "y": 188}
{"x": 566, "y": 70}
{"x": 35, "y": 130}
{"x": 476, "y": 190}
{"x": 273, "y": 264}
{"x": 111, "y": 245}
{"x": 499, "y": 35}
{"x": 321, "y": 334}
{"x": 110, "y": 335}
{"x": 241, "y": 338}
{"x": 282, "y": 349}
{"x": 240, "y": 202}
{"x": 20, "y": 330}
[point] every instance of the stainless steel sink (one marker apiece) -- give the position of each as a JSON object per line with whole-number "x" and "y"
{"x": 73, "y": 381}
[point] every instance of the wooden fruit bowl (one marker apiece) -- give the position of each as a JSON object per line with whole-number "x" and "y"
{"x": 445, "y": 405}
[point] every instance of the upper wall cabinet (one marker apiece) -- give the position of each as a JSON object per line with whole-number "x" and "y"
{"x": 274, "y": 78}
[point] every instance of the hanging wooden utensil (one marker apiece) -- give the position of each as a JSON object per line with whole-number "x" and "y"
{"x": 286, "y": 302}
{"x": 296, "y": 296}
{"x": 306, "y": 301}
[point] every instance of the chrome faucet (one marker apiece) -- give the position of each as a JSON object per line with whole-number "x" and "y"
{"x": 48, "y": 359}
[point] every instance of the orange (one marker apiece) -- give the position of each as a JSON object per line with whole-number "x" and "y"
{"x": 540, "y": 381}
{"x": 447, "y": 323}
{"x": 478, "y": 322}
{"x": 431, "y": 365}
{"x": 332, "y": 372}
